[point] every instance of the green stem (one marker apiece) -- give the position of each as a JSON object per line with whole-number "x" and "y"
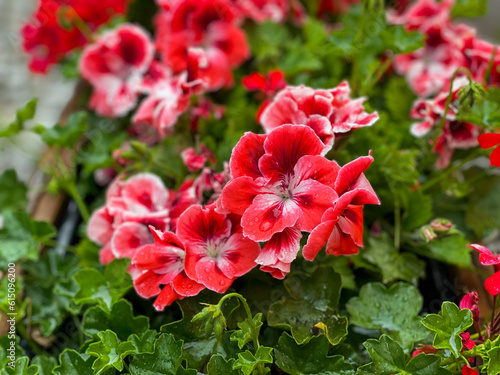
{"x": 448, "y": 102}
{"x": 397, "y": 223}
{"x": 378, "y": 75}
{"x": 444, "y": 174}
{"x": 255, "y": 330}
{"x": 82, "y": 207}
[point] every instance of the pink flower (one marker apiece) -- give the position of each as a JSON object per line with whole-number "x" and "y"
{"x": 430, "y": 68}
{"x": 167, "y": 100}
{"x": 325, "y": 111}
{"x": 264, "y": 10}
{"x": 162, "y": 263}
{"x": 203, "y": 38}
{"x": 216, "y": 250}
{"x": 114, "y": 65}
{"x": 341, "y": 227}
{"x": 281, "y": 188}
{"x": 487, "y": 258}
{"x": 489, "y": 140}
{"x": 47, "y": 41}
{"x": 335, "y": 7}
{"x": 480, "y": 55}
{"x": 193, "y": 161}
{"x": 456, "y": 134}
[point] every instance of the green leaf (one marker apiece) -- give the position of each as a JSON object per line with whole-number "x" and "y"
{"x": 5, "y": 345}
{"x": 469, "y": 8}
{"x": 483, "y": 207}
{"x": 246, "y": 361}
{"x": 20, "y": 368}
{"x": 244, "y": 334}
{"x": 218, "y": 365}
{"x": 164, "y": 361}
{"x": 310, "y": 358}
{"x": 103, "y": 289}
{"x": 68, "y": 135}
{"x": 72, "y": 363}
{"x": 24, "y": 114}
{"x": 451, "y": 249}
{"x": 120, "y": 320}
{"x": 309, "y": 306}
{"x": 109, "y": 351}
{"x": 16, "y": 239}
{"x": 403, "y": 41}
{"x": 145, "y": 342}
{"x": 393, "y": 309}
{"x": 426, "y": 365}
{"x": 398, "y": 98}
{"x": 200, "y": 342}
{"x": 44, "y": 281}
{"x": 393, "y": 264}
{"x": 45, "y": 364}
{"x": 448, "y": 325}
{"x": 12, "y": 191}
{"x": 388, "y": 358}
{"x": 494, "y": 363}
{"x": 418, "y": 209}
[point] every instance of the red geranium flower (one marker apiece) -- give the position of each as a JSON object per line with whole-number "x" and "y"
{"x": 325, "y": 111}
{"x": 114, "y": 64}
{"x": 47, "y": 41}
{"x": 489, "y": 140}
{"x": 264, "y": 10}
{"x": 466, "y": 370}
{"x": 162, "y": 263}
{"x": 487, "y": 258}
{"x": 216, "y": 250}
{"x": 341, "y": 228}
{"x": 203, "y": 38}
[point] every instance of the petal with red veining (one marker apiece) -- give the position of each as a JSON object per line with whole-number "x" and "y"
{"x": 313, "y": 199}
{"x": 246, "y": 154}
{"x": 239, "y": 194}
{"x": 128, "y": 238}
{"x": 268, "y": 214}
{"x": 284, "y": 146}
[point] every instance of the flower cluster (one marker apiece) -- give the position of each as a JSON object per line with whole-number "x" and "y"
{"x": 431, "y": 69}
{"x": 327, "y": 112}
{"x": 60, "y": 26}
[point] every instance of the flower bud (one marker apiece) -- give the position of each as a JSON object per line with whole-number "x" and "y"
{"x": 441, "y": 225}
{"x": 471, "y": 301}
{"x": 428, "y": 233}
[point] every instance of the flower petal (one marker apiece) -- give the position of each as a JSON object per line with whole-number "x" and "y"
{"x": 239, "y": 193}
{"x": 246, "y": 154}
{"x": 489, "y": 140}
{"x": 268, "y": 215}
{"x": 128, "y": 238}
{"x": 284, "y": 146}
{"x": 492, "y": 284}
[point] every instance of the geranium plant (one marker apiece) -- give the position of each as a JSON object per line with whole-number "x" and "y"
{"x": 262, "y": 187}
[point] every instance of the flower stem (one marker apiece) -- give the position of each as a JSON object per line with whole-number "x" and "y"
{"x": 82, "y": 207}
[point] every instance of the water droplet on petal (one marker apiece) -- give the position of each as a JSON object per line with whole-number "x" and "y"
{"x": 265, "y": 225}
{"x": 222, "y": 282}
{"x": 309, "y": 165}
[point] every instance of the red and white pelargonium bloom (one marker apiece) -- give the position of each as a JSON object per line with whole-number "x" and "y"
{"x": 141, "y": 198}
{"x": 341, "y": 228}
{"x": 264, "y": 10}
{"x": 279, "y": 188}
{"x": 456, "y": 134}
{"x": 114, "y": 64}
{"x": 203, "y": 38}
{"x": 327, "y": 112}
{"x": 167, "y": 100}
{"x": 162, "y": 264}
{"x": 216, "y": 250}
